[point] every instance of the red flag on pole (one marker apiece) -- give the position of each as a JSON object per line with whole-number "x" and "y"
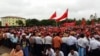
{"x": 53, "y": 15}
{"x": 64, "y": 16}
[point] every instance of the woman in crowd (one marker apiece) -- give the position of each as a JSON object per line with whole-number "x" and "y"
{"x": 25, "y": 44}
{"x": 59, "y": 53}
{"x": 48, "y": 52}
{"x": 73, "y": 53}
{"x": 17, "y": 51}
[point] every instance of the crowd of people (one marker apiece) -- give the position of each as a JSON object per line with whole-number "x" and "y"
{"x": 52, "y": 41}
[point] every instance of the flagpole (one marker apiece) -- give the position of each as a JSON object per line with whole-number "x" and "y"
{"x": 56, "y": 23}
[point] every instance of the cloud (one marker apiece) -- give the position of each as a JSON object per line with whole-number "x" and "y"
{"x": 42, "y": 9}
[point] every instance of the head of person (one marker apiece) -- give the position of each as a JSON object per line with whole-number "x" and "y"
{"x": 97, "y": 37}
{"x": 72, "y": 51}
{"x": 72, "y": 33}
{"x": 57, "y": 34}
{"x": 49, "y": 47}
{"x": 33, "y": 34}
{"x": 23, "y": 36}
{"x": 65, "y": 35}
{"x": 47, "y": 34}
{"x": 18, "y": 47}
{"x": 39, "y": 34}
{"x": 57, "y": 50}
{"x": 81, "y": 35}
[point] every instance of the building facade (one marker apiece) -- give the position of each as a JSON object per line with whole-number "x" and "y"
{"x": 11, "y": 21}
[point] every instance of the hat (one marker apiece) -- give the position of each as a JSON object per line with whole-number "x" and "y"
{"x": 65, "y": 34}
{"x": 72, "y": 32}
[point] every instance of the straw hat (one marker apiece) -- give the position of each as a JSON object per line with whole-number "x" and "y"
{"x": 72, "y": 32}
{"x": 65, "y": 34}
{"x": 5, "y": 54}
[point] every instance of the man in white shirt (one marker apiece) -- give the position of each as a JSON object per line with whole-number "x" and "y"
{"x": 47, "y": 41}
{"x": 95, "y": 47}
{"x": 83, "y": 43}
{"x": 7, "y": 40}
{"x": 38, "y": 46}
{"x": 71, "y": 42}
{"x": 73, "y": 53}
{"x": 8, "y": 34}
{"x": 14, "y": 40}
{"x": 64, "y": 45}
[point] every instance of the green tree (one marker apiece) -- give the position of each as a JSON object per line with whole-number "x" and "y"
{"x": 47, "y": 22}
{"x": 32, "y": 22}
{"x": 0, "y": 23}
{"x": 88, "y": 22}
{"x": 98, "y": 20}
{"x": 20, "y": 22}
{"x": 78, "y": 22}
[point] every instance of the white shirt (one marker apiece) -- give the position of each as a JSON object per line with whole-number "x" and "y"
{"x": 8, "y": 34}
{"x": 60, "y": 53}
{"x": 71, "y": 40}
{"x": 32, "y": 39}
{"x": 64, "y": 39}
{"x": 38, "y": 40}
{"x": 43, "y": 40}
{"x": 50, "y": 53}
{"x": 14, "y": 39}
{"x": 96, "y": 36}
{"x": 75, "y": 54}
{"x": 11, "y": 35}
{"x": 83, "y": 42}
{"x": 48, "y": 40}
{"x": 28, "y": 36}
{"x": 94, "y": 44}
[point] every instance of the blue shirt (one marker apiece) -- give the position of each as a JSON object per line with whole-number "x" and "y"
{"x": 14, "y": 39}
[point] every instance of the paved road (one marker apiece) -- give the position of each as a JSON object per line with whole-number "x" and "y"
{"x": 4, "y": 50}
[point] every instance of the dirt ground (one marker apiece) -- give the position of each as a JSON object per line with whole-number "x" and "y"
{"x": 4, "y": 50}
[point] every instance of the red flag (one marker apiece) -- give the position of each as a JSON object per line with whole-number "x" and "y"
{"x": 83, "y": 22}
{"x": 71, "y": 24}
{"x": 64, "y": 16}
{"x": 53, "y": 15}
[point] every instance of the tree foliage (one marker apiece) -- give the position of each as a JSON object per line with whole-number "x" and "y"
{"x": 0, "y": 23}
{"x": 20, "y": 22}
{"x": 35, "y": 22}
{"x": 47, "y": 22}
{"x": 32, "y": 22}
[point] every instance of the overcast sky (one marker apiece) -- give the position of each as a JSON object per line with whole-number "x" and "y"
{"x": 42, "y": 9}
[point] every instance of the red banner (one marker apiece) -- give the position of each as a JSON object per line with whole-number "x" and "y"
{"x": 69, "y": 24}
